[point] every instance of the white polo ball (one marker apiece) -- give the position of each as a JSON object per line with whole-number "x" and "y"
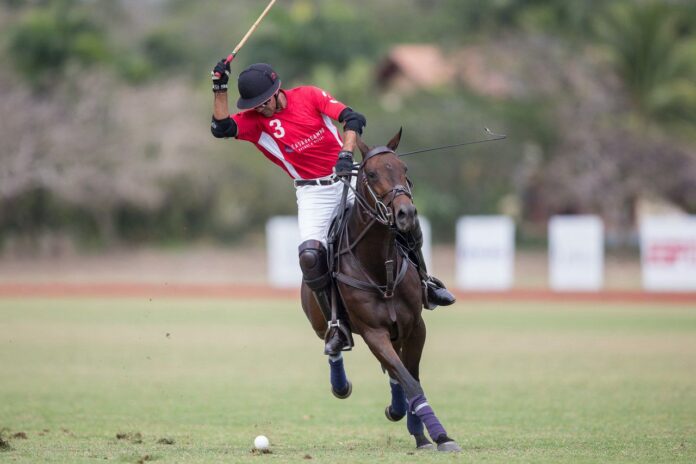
{"x": 261, "y": 442}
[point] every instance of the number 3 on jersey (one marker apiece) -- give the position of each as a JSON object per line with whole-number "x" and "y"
{"x": 279, "y": 130}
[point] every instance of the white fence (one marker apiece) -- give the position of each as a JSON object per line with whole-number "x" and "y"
{"x": 485, "y": 253}
{"x": 576, "y": 253}
{"x": 668, "y": 253}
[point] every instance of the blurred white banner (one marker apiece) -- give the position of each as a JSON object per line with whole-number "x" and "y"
{"x": 485, "y": 252}
{"x": 668, "y": 253}
{"x": 576, "y": 253}
{"x": 283, "y": 238}
{"x": 427, "y": 243}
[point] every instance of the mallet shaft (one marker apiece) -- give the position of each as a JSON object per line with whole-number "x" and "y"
{"x": 249, "y": 32}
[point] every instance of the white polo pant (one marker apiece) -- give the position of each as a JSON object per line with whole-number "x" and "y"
{"x": 316, "y": 205}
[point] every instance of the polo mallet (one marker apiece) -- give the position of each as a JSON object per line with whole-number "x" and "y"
{"x": 247, "y": 35}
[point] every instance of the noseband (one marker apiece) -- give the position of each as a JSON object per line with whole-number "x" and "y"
{"x": 382, "y": 210}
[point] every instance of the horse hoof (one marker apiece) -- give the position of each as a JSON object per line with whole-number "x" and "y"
{"x": 449, "y": 447}
{"x": 345, "y": 394}
{"x": 393, "y": 417}
{"x": 422, "y": 443}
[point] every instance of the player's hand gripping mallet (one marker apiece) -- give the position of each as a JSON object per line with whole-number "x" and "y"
{"x": 247, "y": 35}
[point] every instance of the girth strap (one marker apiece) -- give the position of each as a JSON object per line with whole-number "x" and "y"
{"x": 369, "y": 287}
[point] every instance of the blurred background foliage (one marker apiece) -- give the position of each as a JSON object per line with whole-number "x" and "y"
{"x": 106, "y": 103}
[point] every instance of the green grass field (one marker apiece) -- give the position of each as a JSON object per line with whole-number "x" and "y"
{"x": 511, "y": 382}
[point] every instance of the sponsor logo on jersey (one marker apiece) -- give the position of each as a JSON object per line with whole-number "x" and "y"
{"x": 309, "y": 141}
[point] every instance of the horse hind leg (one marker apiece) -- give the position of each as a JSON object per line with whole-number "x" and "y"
{"x": 341, "y": 387}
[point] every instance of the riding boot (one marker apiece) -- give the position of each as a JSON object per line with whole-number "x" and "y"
{"x": 315, "y": 273}
{"x": 435, "y": 292}
{"x": 335, "y": 338}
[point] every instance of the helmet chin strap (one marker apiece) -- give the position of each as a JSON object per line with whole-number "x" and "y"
{"x": 281, "y": 103}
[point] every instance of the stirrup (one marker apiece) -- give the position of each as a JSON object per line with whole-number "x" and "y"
{"x": 342, "y": 332}
{"x": 431, "y": 299}
{"x": 427, "y": 304}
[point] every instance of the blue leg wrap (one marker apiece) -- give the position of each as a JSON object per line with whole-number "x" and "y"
{"x": 339, "y": 381}
{"x": 398, "y": 399}
{"x": 419, "y": 406}
{"x": 414, "y": 424}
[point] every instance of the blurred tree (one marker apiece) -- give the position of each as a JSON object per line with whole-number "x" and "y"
{"x": 654, "y": 51}
{"x": 96, "y": 149}
{"x": 309, "y": 34}
{"x": 46, "y": 40}
{"x": 120, "y": 147}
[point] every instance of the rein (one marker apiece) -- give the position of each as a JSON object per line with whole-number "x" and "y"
{"x": 492, "y": 138}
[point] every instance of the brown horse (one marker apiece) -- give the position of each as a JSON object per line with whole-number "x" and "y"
{"x": 381, "y": 290}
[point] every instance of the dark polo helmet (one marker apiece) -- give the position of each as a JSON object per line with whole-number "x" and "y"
{"x": 256, "y": 84}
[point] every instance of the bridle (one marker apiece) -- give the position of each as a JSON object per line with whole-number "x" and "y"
{"x": 394, "y": 268}
{"x": 381, "y": 211}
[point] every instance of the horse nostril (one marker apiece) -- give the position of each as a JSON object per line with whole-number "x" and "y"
{"x": 406, "y": 213}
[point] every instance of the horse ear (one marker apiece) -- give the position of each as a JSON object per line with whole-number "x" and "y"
{"x": 362, "y": 146}
{"x": 394, "y": 142}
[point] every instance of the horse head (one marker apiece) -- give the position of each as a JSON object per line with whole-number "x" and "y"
{"x": 383, "y": 183}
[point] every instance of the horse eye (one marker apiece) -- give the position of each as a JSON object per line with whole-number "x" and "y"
{"x": 372, "y": 175}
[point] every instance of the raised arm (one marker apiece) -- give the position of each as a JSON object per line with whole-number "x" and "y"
{"x": 221, "y": 125}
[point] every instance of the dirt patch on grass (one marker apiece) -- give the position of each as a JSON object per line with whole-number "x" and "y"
{"x": 4, "y": 442}
{"x": 132, "y": 437}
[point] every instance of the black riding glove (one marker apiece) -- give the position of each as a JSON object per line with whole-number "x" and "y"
{"x": 344, "y": 165}
{"x": 220, "y": 75}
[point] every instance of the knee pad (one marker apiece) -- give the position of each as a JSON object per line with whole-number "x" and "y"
{"x": 314, "y": 265}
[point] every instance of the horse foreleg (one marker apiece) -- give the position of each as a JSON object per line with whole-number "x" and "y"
{"x": 381, "y": 347}
{"x": 411, "y": 356}
{"x": 340, "y": 385}
{"x": 397, "y": 409}
{"x": 398, "y": 406}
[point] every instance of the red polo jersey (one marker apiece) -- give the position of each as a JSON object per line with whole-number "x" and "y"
{"x": 301, "y": 138}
